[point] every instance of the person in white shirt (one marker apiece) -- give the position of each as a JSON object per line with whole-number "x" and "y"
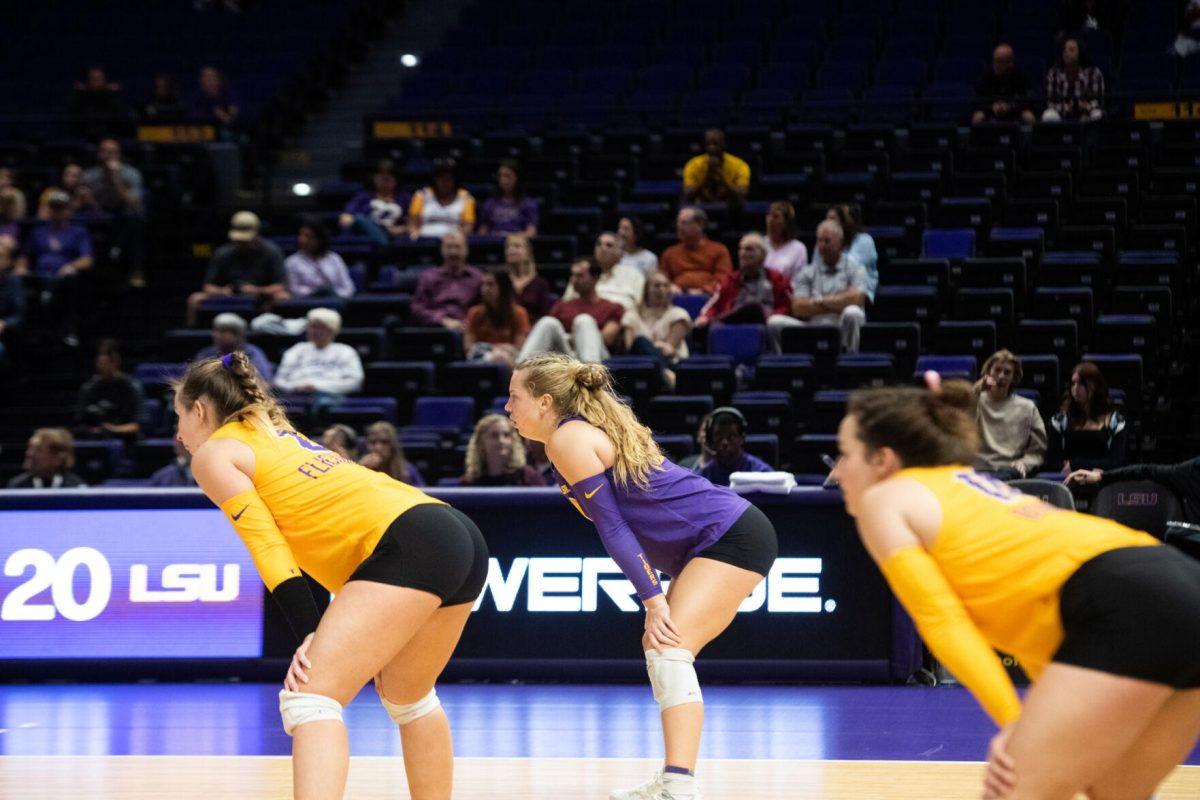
{"x": 617, "y": 283}
{"x": 314, "y": 270}
{"x": 830, "y": 291}
{"x": 629, "y": 230}
{"x": 786, "y": 254}
{"x": 441, "y": 207}
{"x": 320, "y": 368}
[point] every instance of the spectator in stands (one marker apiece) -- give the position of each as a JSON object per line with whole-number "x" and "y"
{"x": 178, "y": 473}
{"x": 1183, "y": 479}
{"x": 830, "y": 291}
{"x": 441, "y": 207}
{"x": 786, "y": 254}
{"x": 1002, "y": 94}
{"x": 215, "y": 102}
{"x": 12, "y": 303}
{"x": 341, "y": 439}
{"x": 323, "y": 370}
{"x": 656, "y": 327}
{"x": 118, "y": 190}
{"x": 248, "y": 266}
{"x": 617, "y": 284}
{"x": 594, "y": 323}
{"x": 385, "y": 454}
{"x": 629, "y": 231}
{"x": 858, "y": 244}
{"x": 73, "y": 185}
{"x": 703, "y": 454}
{"x": 11, "y": 212}
{"x": 314, "y": 270}
{"x": 1087, "y": 432}
{"x": 229, "y": 334}
{"x": 716, "y": 176}
{"x": 96, "y": 107}
{"x": 379, "y": 212}
{"x": 110, "y": 403}
{"x": 1012, "y": 436}
{"x": 751, "y": 295}
{"x": 696, "y": 265}
{"x": 509, "y": 210}
{"x": 531, "y": 290}
{"x": 165, "y": 105}
{"x": 1074, "y": 88}
{"x": 57, "y": 253}
{"x": 725, "y": 437}
{"x": 49, "y": 458}
{"x": 444, "y": 295}
{"x": 1187, "y": 43}
{"x": 496, "y": 456}
{"x": 496, "y": 328}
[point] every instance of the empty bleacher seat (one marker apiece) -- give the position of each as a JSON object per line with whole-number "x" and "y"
{"x": 677, "y": 413}
{"x": 457, "y": 412}
{"x": 766, "y": 412}
{"x": 711, "y": 375}
{"x": 742, "y": 343}
{"x": 961, "y": 367}
{"x": 901, "y": 340}
{"x": 976, "y": 337}
{"x": 860, "y": 370}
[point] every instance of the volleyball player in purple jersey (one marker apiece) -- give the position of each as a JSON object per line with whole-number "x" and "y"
{"x": 652, "y": 516}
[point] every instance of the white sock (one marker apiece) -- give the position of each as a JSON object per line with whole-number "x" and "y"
{"x": 679, "y": 786}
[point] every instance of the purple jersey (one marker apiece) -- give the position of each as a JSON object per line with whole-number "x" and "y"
{"x": 672, "y": 520}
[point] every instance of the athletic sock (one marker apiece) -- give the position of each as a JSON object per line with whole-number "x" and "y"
{"x": 680, "y": 785}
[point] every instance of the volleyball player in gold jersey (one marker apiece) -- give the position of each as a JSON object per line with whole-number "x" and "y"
{"x": 405, "y": 567}
{"x": 1103, "y": 618}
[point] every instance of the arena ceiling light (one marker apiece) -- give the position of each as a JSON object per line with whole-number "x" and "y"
{"x": 409, "y": 60}
{"x": 301, "y": 189}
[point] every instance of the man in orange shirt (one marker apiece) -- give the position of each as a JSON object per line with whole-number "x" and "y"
{"x": 696, "y": 265}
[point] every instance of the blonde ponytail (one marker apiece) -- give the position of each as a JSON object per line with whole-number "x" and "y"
{"x": 236, "y": 390}
{"x": 586, "y": 390}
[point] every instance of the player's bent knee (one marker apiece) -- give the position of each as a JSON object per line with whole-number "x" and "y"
{"x": 405, "y": 713}
{"x": 673, "y": 677}
{"x": 297, "y": 708}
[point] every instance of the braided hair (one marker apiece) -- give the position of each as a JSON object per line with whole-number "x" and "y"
{"x": 234, "y": 387}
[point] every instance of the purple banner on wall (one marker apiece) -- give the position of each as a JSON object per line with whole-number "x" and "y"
{"x": 97, "y": 584}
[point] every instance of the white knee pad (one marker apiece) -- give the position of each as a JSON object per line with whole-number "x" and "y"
{"x": 297, "y": 708}
{"x": 411, "y": 712}
{"x": 673, "y": 677}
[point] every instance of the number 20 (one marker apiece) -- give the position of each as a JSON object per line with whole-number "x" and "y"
{"x": 59, "y": 577}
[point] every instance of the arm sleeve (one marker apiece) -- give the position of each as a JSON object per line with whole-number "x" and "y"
{"x": 598, "y": 501}
{"x": 295, "y": 600}
{"x": 253, "y": 522}
{"x": 949, "y": 631}
{"x": 1116, "y": 450}
{"x": 693, "y": 173}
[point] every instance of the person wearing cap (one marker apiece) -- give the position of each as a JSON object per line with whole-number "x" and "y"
{"x": 320, "y": 368}
{"x": 445, "y": 295}
{"x": 229, "y": 334}
{"x": 441, "y": 207}
{"x": 724, "y": 443}
{"x": 248, "y": 266}
{"x": 55, "y": 255}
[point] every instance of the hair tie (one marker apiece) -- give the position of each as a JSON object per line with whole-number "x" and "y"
{"x": 227, "y": 360}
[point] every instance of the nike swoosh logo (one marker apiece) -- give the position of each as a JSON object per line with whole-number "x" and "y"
{"x": 238, "y": 515}
{"x": 588, "y": 495}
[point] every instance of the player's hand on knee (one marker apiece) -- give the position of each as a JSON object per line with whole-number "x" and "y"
{"x": 1001, "y": 777}
{"x": 296, "y": 674}
{"x": 660, "y": 630}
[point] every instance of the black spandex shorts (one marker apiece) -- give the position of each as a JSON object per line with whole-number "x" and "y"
{"x": 750, "y": 543}
{"x": 434, "y": 548}
{"x": 1135, "y": 612}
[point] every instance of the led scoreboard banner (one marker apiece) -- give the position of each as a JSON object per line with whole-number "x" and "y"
{"x": 131, "y": 576}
